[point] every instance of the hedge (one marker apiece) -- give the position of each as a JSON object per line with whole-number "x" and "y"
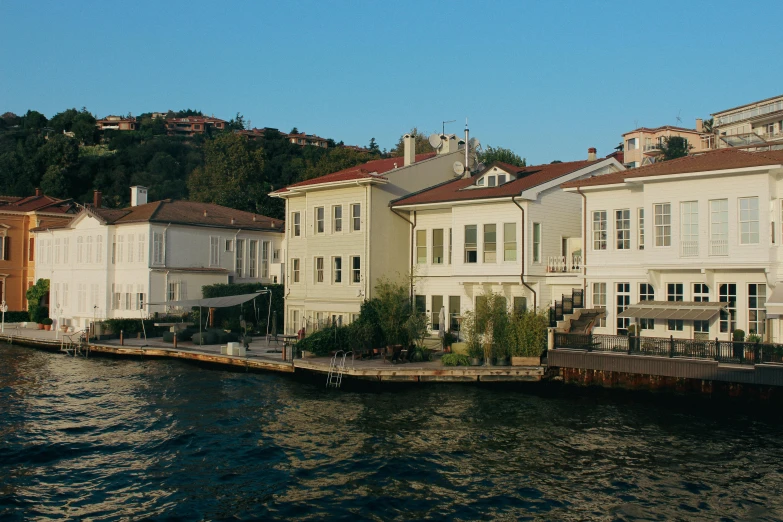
{"x": 17, "y": 317}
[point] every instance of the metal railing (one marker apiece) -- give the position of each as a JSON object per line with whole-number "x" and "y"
{"x": 689, "y": 248}
{"x": 719, "y": 247}
{"x": 734, "y": 352}
{"x": 563, "y": 264}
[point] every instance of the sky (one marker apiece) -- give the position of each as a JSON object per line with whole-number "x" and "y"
{"x": 546, "y": 79}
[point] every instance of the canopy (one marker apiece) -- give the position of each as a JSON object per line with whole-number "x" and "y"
{"x": 212, "y": 302}
{"x": 775, "y": 301}
{"x": 683, "y": 310}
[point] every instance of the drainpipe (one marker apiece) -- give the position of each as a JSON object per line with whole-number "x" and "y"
{"x": 522, "y": 273}
{"x": 413, "y": 228}
{"x": 584, "y": 244}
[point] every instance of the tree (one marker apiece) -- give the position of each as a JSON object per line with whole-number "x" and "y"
{"x": 232, "y": 174}
{"x": 54, "y": 182}
{"x": 34, "y": 120}
{"x": 673, "y": 147}
{"x": 374, "y": 148}
{"x": 335, "y": 160}
{"x": 707, "y": 126}
{"x": 237, "y": 123}
{"x": 294, "y": 131}
{"x": 491, "y": 154}
{"x": 421, "y": 140}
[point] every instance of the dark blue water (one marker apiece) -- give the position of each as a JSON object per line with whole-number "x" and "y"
{"x": 106, "y": 439}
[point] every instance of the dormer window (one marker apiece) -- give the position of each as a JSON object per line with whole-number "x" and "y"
{"x": 480, "y": 182}
{"x": 501, "y": 179}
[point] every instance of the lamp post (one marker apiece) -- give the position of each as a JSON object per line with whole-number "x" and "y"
{"x": 4, "y": 309}
{"x": 266, "y": 290}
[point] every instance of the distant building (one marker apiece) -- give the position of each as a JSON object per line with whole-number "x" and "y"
{"x": 357, "y": 148}
{"x": 17, "y": 245}
{"x": 254, "y": 133}
{"x": 117, "y": 123}
{"x": 755, "y": 126}
{"x": 303, "y": 139}
{"x": 643, "y": 145}
{"x": 192, "y": 125}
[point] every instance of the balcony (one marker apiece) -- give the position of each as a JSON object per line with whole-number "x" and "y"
{"x": 689, "y": 248}
{"x": 719, "y": 247}
{"x": 563, "y": 264}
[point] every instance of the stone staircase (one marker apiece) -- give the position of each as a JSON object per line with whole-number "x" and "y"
{"x": 569, "y": 314}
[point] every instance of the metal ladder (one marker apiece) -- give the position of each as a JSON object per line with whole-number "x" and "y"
{"x": 336, "y": 369}
{"x": 71, "y": 346}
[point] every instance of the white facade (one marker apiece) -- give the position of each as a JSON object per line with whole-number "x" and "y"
{"x": 527, "y": 248}
{"x": 758, "y": 125}
{"x": 99, "y": 270}
{"x": 703, "y": 236}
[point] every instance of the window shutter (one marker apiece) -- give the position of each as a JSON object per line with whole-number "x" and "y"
{"x": 6, "y": 248}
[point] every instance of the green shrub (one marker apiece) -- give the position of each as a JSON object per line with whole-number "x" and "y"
{"x": 420, "y": 354}
{"x": 738, "y": 335}
{"x": 455, "y": 359}
{"x": 753, "y": 338}
{"x": 133, "y": 326}
{"x": 529, "y": 337}
{"x": 46, "y": 321}
{"x": 328, "y": 340}
{"x": 34, "y": 295}
{"x": 204, "y": 338}
{"x": 17, "y": 317}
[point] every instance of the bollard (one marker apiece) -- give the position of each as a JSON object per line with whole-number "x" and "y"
{"x": 284, "y": 349}
{"x": 122, "y": 338}
{"x": 175, "y": 340}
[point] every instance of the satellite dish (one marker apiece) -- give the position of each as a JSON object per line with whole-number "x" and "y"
{"x": 435, "y": 141}
{"x": 474, "y": 143}
{"x": 459, "y": 168}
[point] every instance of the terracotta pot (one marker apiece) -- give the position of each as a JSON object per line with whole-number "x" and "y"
{"x": 40, "y": 326}
{"x": 63, "y": 328}
{"x": 47, "y": 327}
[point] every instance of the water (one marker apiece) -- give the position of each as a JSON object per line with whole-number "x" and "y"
{"x": 107, "y": 439}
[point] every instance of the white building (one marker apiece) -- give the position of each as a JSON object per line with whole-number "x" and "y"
{"x": 755, "y": 126}
{"x": 106, "y": 263}
{"x": 700, "y": 228}
{"x": 509, "y": 230}
{"x": 342, "y": 237}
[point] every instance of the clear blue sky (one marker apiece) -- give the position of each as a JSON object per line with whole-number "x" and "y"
{"x": 547, "y": 79}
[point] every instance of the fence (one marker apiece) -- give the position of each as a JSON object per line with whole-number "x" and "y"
{"x": 721, "y": 351}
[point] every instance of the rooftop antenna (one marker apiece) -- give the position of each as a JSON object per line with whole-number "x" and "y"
{"x": 679, "y": 120}
{"x": 467, "y": 147}
{"x": 443, "y": 127}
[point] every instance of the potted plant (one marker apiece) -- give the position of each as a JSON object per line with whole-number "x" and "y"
{"x": 47, "y": 323}
{"x": 738, "y": 336}
{"x": 529, "y": 337}
{"x": 475, "y": 353}
{"x": 446, "y": 341}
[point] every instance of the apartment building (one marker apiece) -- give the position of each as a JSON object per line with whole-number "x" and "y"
{"x": 18, "y": 216}
{"x": 342, "y": 237}
{"x": 643, "y": 145}
{"x": 754, "y": 126}
{"x": 192, "y": 125}
{"x": 303, "y": 139}
{"x": 108, "y": 263}
{"x": 678, "y": 234}
{"x": 509, "y": 230}
{"x": 117, "y": 123}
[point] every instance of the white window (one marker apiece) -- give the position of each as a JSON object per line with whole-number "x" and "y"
{"x": 252, "y": 261}
{"x": 99, "y": 249}
{"x": 509, "y": 242}
{"x": 337, "y": 218}
{"x": 491, "y": 181}
{"x": 622, "y": 300}
{"x": 229, "y": 245}
{"x": 214, "y": 251}
{"x": 356, "y": 217}
{"x": 296, "y": 218}
{"x": 622, "y": 221}
{"x": 319, "y": 269}
{"x": 88, "y": 250}
{"x": 490, "y": 243}
{"x": 265, "y": 247}
{"x": 501, "y": 179}
{"x": 337, "y": 269}
{"x": 701, "y": 294}
{"x": 480, "y": 182}
{"x": 663, "y": 224}
{"x": 81, "y": 297}
{"x": 646, "y": 293}
{"x": 319, "y": 220}
{"x": 599, "y": 230}
{"x": 719, "y": 227}
{"x": 240, "y": 258}
{"x": 632, "y": 144}
{"x": 757, "y": 306}
{"x": 689, "y": 228}
{"x": 450, "y": 243}
{"x": 471, "y": 244}
{"x": 65, "y": 294}
{"x": 94, "y": 296}
{"x": 295, "y": 270}
{"x": 640, "y": 214}
{"x": 56, "y": 250}
{"x": 356, "y": 269}
{"x": 749, "y": 221}
{"x": 131, "y": 240}
{"x": 599, "y": 301}
{"x": 66, "y": 248}
{"x": 421, "y": 247}
{"x": 674, "y": 292}
{"x": 728, "y": 319}
{"x": 158, "y": 254}
{"x": 536, "y": 242}
{"x": 120, "y": 249}
{"x": 142, "y": 254}
{"x": 437, "y": 246}
{"x": 80, "y": 250}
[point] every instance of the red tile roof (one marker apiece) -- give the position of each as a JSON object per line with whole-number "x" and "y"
{"x": 721, "y": 159}
{"x": 526, "y": 178}
{"x": 658, "y": 129}
{"x": 37, "y": 203}
{"x": 371, "y": 169}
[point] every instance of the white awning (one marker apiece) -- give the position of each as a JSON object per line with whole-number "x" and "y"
{"x": 683, "y": 310}
{"x": 212, "y": 302}
{"x": 775, "y": 301}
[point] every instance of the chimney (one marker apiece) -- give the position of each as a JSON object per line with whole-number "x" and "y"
{"x": 138, "y": 195}
{"x": 410, "y": 149}
{"x": 699, "y": 125}
{"x": 38, "y": 192}
{"x": 96, "y": 198}
{"x": 591, "y": 156}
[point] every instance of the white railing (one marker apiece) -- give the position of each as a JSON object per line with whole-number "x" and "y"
{"x": 719, "y": 247}
{"x": 689, "y": 248}
{"x": 558, "y": 264}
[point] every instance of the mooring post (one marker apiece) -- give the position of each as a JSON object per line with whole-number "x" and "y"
{"x": 175, "y": 340}
{"x": 717, "y": 349}
{"x": 122, "y": 338}
{"x": 671, "y": 346}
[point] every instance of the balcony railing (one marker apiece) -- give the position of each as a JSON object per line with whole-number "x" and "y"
{"x": 651, "y": 146}
{"x": 719, "y": 247}
{"x": 689, "y": 248}
{"x": 563, "y": 264}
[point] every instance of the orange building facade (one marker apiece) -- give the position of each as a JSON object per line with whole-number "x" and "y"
{"x": 17, "y": 248}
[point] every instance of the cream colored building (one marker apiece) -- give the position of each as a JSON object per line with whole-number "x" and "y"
{"x": 641, "y": 146}
{"x": 342, "y": 236}
{"x": 754, "y": 126}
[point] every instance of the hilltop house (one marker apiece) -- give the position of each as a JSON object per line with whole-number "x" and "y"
{"x": 510, "y": 230}
{"x": 702, "y": 228}
{"x": 107, "y": 263}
